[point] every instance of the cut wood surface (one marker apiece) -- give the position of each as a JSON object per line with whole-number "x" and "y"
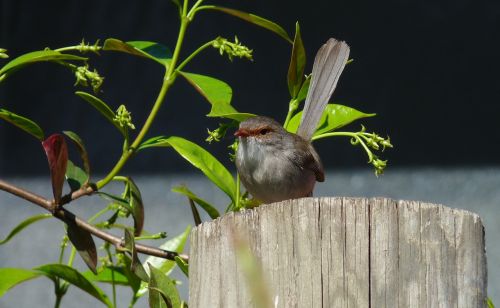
{"x": 343, "y": 252}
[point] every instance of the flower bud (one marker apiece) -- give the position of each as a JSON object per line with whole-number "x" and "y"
{"x": 3, "y": 53}
{"x": 123, "y": 117}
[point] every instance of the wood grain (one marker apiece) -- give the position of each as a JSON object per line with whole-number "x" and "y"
{"x": 343, "y": 252}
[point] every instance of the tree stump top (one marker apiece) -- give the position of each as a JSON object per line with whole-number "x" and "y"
{"x": 339, "y": 252}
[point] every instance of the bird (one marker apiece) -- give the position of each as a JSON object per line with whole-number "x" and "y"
{"x": 276, "y": 165}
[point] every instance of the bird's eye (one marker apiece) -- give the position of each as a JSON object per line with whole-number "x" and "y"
{"x": 264, "y": 131}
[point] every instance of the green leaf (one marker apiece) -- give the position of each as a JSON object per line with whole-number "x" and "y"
{"x": 137, "y": 206}
{"x": 75, "y": 176}
{"x": 23, "y": 123}
{"x": 254, "y": 19}
{"x": 103, "y": 108}
{"x": 297, "y": 64}
{"x": 146, "y": 49}
{"x": 210, "y": 209}
{"x": 489, "y": 303}
{"x": 25, "y": 223}
{"x": 114, "y": 199}
{"x": 175, "y": 244}
{"x": 10, "y": 277}
{"x": 165, "y": 266}
{"x": 136, "y": 266}
{"x": 134, "y": 281}
{"x": 37, "y": 56}
{"x": 75, "y": 278}
{"x": 131, "y": 201}
{"x": 81, "y": 149}
{"x": 108, "y": 275}
{"x": 160, "y": 282}
{"x": 200, "y": 158}
{"x": 218, "y": 94}
{"x": 303, "y": 89}
{"x": 182, "y": 265}
{"x": 84, "y": 243}
{"x": 334, "y": 117}
{"x": 228, "y": 112}
{"x": 158, "y": 298}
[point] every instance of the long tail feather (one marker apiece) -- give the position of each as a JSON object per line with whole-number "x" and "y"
{"x": 328, "y": 65}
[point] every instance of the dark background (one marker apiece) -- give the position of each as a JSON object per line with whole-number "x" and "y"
{"x": 430, "y": 70}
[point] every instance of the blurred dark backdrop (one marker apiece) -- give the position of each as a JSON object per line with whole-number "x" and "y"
{"x": 429, "y": 68}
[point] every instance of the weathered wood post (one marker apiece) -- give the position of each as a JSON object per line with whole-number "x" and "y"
{"x": 344, "y": 252}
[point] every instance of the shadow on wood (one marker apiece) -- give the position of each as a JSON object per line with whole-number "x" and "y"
{"x": 340, "y": 252}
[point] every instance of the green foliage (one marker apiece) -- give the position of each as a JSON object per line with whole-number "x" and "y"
{"x": 75, "y": 176}
{"x": 37, "y": 56}
{"x": 75, "y": 278}
{"x": 489, "y": 303}
{"x": 254, "y": 19}
{"x": 113, "y": 275}
{"x": 104, "y": 109}
{"x": 23, "y": 123}
{"x": 218, "y": 94}
{"x": 175, "y": 244}
{"x": 210, "y": 209}
{"x": 151, "y": 50}
{"x": 24, "y": 224}
{"x": 10, "y": 277}
{"x": 162, "y": 291}
{"x": 136, "y": 265}
{"x": 334, "y": 117}
{"x": 297, "y": 64}
{"x": 121, "y": 265}
{"x": 83, "y": 152}
{"x": 199, "y": 158}
{"x": 135, "y": 200}
{"x": 3, "y": 53}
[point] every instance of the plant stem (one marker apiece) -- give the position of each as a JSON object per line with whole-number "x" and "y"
{"x": 193, "y": 9}
{"x": 64, "y": 243}
{"x": 58, "y": 299}
{"x": 347, "y": 134}
{"x": 82, "y": 48}
{"x": 72, "y": 255}
{"x": 99, "y": 214}
{"x": 334, "y": 134}
{"x": 168, "y": 80}
{"x": 237, "y": 205}
{"x": 113, "y": 284}
{"x": 194, "y": 54}
{"x": 66, "y": 216}
{"x": 292, "y": 107}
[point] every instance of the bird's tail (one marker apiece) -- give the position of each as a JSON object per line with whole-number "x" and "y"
{"x": 328, "y": 65}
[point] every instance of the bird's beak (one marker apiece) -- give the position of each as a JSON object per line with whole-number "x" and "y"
{"x": 242, "y": 133}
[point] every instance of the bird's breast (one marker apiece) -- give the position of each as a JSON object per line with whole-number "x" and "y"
{"x": 271, "y": 175}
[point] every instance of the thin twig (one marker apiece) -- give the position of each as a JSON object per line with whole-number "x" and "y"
{"x": 66, "y": 216}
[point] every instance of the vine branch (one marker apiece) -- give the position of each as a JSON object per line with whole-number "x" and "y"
{"x": 68, "y": 217}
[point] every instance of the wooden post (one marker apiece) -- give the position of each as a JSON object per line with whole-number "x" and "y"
{"x": 344, "y": 252}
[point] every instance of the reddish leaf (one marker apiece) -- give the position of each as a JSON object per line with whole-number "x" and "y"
{"x": 57, "y": 155}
